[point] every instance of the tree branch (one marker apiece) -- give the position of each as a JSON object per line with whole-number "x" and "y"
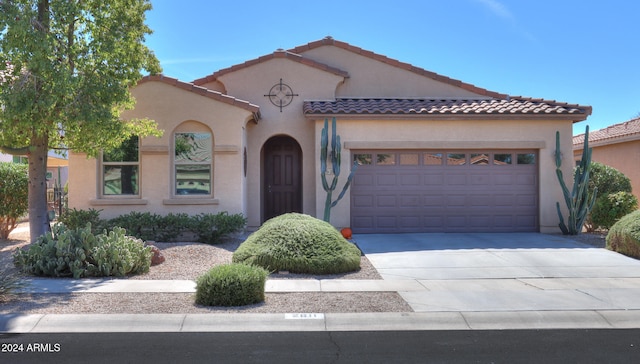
{"x": 15, "y": 151}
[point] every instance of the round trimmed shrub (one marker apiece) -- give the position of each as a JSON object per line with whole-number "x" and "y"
{"x": 624, "y": 235}
{"x": 231, "y": 285}
{"x": 299, "y": 243}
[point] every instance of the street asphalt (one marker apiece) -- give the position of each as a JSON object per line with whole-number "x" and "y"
{"x": 451, "y": 281}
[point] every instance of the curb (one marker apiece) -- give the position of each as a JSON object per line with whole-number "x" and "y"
{"x": 288, "y": 322}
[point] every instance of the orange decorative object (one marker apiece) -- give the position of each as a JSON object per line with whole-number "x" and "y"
{"x": 346, "y": 232}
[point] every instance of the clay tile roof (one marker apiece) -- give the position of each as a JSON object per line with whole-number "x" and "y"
{"x": 393, "y": 62}
{"x": 629, "y": 130}
{"x": 255, "y": 109}
{"x": 493, "y": 107}
{"x": 275, "y": 55}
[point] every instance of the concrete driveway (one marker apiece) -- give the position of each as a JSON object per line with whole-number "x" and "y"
{"x": 504, "y": 272}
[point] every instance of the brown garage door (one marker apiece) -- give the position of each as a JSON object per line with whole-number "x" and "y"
{"x": 445, "y": 191}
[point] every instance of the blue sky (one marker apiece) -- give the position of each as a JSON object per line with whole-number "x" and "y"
{"x": 577, "y": 51}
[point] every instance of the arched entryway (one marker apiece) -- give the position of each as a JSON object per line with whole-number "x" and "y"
{"x": 282, "y": 182}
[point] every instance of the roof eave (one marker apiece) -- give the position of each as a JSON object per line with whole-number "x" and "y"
{"x": 449, "y": 116}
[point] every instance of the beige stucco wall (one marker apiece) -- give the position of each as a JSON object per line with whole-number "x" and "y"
{"x": 372, "y": 78}
{"x": 171, "y": 107}
{"x": 621, "y": 156}
{"x": 253, "y": 84}
{"x": 451, "y": 134}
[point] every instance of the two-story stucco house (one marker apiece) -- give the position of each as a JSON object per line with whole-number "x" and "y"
{"x": 434, "y": 154}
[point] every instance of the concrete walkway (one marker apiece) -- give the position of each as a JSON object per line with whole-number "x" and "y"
{"x": 452, "y": 282}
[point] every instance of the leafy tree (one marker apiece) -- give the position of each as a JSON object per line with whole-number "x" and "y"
{"x": 66, "y": 67}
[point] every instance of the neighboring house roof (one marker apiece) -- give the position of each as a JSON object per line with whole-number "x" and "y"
{"x": 280, "y": 53}
{"x": 509, "y": 107}
{"x": 215, "y": 95}
{"x": 617, "y": 133}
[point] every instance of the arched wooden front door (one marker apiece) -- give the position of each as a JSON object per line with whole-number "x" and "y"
{"x": 282, "y": 185}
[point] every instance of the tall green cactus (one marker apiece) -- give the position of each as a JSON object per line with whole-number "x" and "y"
{"x": 335, "y": 155}
{"x": 577, "y": 199}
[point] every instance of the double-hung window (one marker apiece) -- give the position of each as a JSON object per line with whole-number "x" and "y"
{"x": 121, "y": 170}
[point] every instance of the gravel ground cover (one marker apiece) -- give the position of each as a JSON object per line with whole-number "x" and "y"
{"x": 188, "y": 261}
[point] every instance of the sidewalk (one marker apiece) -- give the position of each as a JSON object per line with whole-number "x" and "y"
{"x": 480, "y": 317}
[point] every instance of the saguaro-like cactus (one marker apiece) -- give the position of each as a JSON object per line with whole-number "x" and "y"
{"x": 335, "y": 155}
{"x": 577, "y": 199}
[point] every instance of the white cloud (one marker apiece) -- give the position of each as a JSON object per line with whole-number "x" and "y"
{"x": 501, "y": 11}
{"x": 498, "y": 9}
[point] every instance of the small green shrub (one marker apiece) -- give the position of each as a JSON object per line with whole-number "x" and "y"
{"x": 8, "y": 284}
{"x": 231, "y": 285}
{"x": 79, "y": 253}
{"x": 300, "y": 244}
{"x": 142, "y": 225}
{"x": 210, "y": 228}
{"x": 610, "y": 208}
{"x": 624, "y": 235}
{"x": 170, "y": 226}
{"x": 14, "y": 189}
{"x": 608, "y": 180}
{"x": 78, "y": 219}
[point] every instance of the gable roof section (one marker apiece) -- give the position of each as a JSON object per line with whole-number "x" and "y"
{"x": 617, "y": 133}
{"x": 329, "y": 41}
{"x": 508, "y": 107}
{"x": 278, "y": 54}
{"x": 492, "y": 105}
{"x": 202, "y": 91}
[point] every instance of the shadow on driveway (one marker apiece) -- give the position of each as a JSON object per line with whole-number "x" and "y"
{"x": 388, "y": 243}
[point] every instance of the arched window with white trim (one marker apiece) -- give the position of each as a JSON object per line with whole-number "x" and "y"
{"x": 192, "y": 160}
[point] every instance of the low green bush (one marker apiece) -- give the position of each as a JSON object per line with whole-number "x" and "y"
{"x": 79, "y": 253}
{"x": 624, "y": 235}
{"x": 210, "y": 228}
{"x": 170, "y": 226}
{"x": 142, "y": 225}
{"x": 231, "y": 285}
{"x": 78, "y": 219}
{"x": 610, "y": 208}
{"x": 299, "y": 244}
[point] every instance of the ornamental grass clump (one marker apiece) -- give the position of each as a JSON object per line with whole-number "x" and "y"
{"x": 9, "y": 283}
{"x": 231, "y": 285}
{"x": 624, "y": 235}
{"x": 299, "y": 243}
{"x": 79, "y": 253}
